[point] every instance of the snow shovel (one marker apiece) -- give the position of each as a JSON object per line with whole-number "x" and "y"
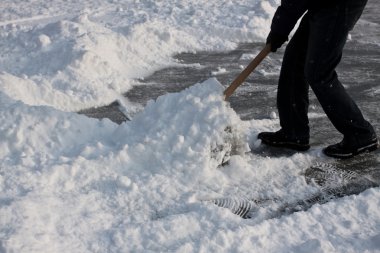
{"x": 246, "y": 72}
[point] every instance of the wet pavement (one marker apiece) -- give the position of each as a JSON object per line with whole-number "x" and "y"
{"x": 359, "y": 71}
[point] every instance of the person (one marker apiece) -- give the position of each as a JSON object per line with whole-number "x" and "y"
{"x": 310, "y": 59}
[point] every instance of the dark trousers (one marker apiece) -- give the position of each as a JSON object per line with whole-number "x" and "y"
{"x": 310, "y": 60}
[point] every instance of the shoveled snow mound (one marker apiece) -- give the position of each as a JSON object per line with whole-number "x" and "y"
{"x": 192, "y": 126}
{"x": 66, "y": 179}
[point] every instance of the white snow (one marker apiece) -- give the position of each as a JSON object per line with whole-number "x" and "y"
{"x": 273, "y": 115}
{"x": 219, "y": 71}
{"x": 69, "y": 183}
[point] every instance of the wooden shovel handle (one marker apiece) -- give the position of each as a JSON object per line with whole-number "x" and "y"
{"x": 246, "y": 72}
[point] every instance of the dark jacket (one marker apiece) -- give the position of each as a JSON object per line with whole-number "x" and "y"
{"x": 290, "y": 11}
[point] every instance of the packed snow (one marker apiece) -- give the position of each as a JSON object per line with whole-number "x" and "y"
{"x": 69, "y": 183}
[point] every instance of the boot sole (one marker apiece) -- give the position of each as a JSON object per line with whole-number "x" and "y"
{"x": 289, "y": 145}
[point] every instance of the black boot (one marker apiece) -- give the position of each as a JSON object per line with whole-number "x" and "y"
{"x": 280, "y": 139}
{"x": 348, "y": 148}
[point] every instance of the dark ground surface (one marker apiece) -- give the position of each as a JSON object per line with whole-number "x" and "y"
{"x": 359, "y": 71}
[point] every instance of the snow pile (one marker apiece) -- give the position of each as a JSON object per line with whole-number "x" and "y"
{"x": 187, "y": 127}
{"x": 69, "y": 64}
{"x": 63, "y": 174}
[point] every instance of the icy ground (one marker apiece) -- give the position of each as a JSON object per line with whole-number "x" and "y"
{"x": 70, "y": 183}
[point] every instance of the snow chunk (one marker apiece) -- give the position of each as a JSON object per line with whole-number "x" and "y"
{"x": 273, "y": 115}
{"x": 44, "y": 41}
{"x": 219, "y": 71}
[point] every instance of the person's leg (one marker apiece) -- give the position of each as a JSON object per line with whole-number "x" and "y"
{"x": 328, "y": 33}
{"x": 293, "y": 90}
{"x": 292, "y": 95}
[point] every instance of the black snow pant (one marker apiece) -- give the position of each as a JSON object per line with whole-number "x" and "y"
{"x": 310, "y": 60}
